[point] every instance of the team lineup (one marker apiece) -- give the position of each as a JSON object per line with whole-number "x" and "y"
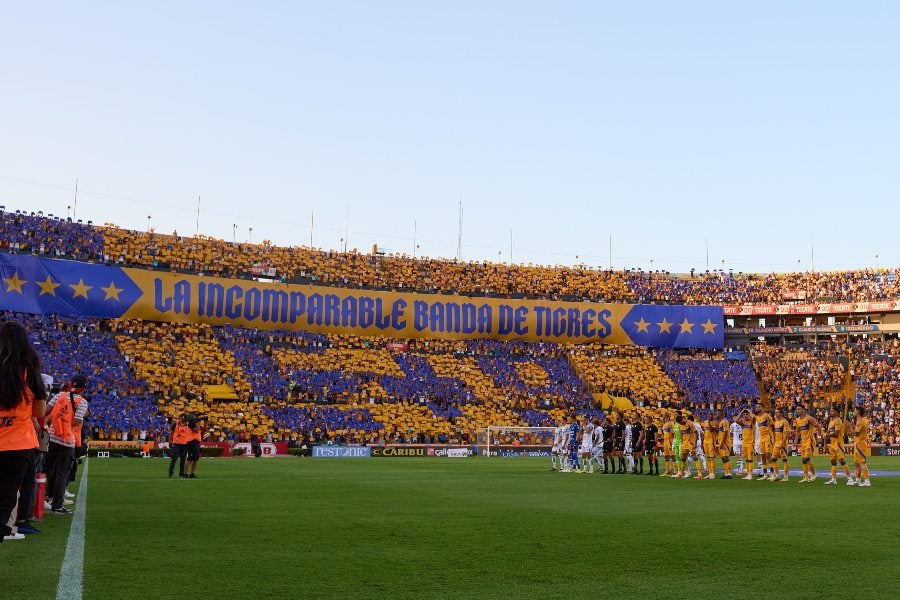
{"x": 755, "y": 437}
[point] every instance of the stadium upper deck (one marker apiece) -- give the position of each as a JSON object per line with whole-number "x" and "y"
{"x": 35, "y": 233}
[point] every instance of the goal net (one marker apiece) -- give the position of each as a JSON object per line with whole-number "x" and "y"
{"x": 516, "y": 441}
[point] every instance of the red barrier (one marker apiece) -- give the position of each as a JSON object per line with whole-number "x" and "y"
{"x": 39, "y": 497}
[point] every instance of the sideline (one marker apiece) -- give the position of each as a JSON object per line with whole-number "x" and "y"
{"x": 71, "y": 575}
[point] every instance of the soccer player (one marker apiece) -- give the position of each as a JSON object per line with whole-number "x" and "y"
{"x": 779, "y": 447}
{"x": 637, "y": 446}
{"x": 574, "y": 434}
{"x": 805, "y": 428}
{"x": 756, "y": 442}
{"x": 651, "y": 439}
{"x": 554, "y": 451}
{"x": 619, "y": 448}
{"x": 747, "y": 442}
{"x": 629, "y": 456}
{"x": 597, "y": 453}
{"x": 765, "y": 423}
{"x": 710, "y": 426}
{"x": 835, "y": 437}
{"x": 861, "y": 447}
{"x": 609, "y": 439}
{"x": 587, "y": 446}
{"x": 722, "y": 443}
{"x": 677, "y": 445}
{"x": 699, "y": 455}
{"x": 668, "y": 431}
{"x": 688, "y": 441}
{"x": 565, "y": 463}
{"x": 737, "y": 444}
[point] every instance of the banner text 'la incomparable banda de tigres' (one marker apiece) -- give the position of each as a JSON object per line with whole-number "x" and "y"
{"x": 45, "y": 286}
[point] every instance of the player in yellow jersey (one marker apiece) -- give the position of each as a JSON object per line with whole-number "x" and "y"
{"x": 835, "y": 438}
{"x": 805, "y": 429}
{"x": 748, "y": 437}
{"x": 721, "y": 445}
{"x": 688, "y": 442}
{"x": 782, "y": 432}
{"x": 710, "y": 427}
{"x": 765, "y": 423}
{"x": 861, "y": 447}
{"x": 668, "y": 451}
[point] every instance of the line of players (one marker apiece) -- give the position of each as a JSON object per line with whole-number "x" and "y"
{"x": 756, "y": 437}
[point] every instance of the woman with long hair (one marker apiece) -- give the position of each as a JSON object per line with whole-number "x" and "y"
{"x": 22, "y": 403}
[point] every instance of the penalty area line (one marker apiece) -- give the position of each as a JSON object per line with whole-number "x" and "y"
{"x": 71, "y": 574}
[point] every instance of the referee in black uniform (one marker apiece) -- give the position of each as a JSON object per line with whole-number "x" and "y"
{"x": 651, "y": 438}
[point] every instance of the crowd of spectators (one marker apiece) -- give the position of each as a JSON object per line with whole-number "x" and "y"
{"x": 875, "y": 368}
{"x": 625, "y": 371}
{"x": 38, "y": 234}
{"x": 709, "y": 379}
{"x": 34, "y": 233}
{"x": 120, "y": 401}
{"x": 809, "y": 373}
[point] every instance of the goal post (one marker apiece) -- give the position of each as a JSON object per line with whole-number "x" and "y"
{"x": 501, "y": 440}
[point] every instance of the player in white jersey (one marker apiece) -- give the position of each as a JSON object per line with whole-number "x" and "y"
{"x": 597, "y": 453}
{"x": 629, "y": 441}
{"x": 587, "y": 446}
{"x": 737, "y": 437}
{"x": 564, "y": 450}
{"x": 701, "y": 454}
{"x": 555, "y": 454}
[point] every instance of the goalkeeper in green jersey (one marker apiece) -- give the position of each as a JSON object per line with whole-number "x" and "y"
{"x": 676, "y": 446}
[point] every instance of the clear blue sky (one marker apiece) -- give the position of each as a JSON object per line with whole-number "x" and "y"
{"x": 759, "y": 127}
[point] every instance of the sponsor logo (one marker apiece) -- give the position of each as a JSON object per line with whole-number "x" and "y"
{"x": 425, "y": 451}
{"x": 884, "y": 451}
{"x": 342, "y": 452}
{"x": 392, "y": 451}
{"x": 114, "y": 445}
{"x": 267, "y": 448}
{"x": 521, "y": 453}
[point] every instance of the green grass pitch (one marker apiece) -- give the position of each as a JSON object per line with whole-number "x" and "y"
{"x": 466, "y": 528}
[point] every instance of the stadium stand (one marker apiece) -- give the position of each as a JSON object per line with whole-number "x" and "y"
{"x": 625, "y": 371}
{"x": 708, "y": 379}
{"x": 811, "y": 374}
{"x": 292, "y": 385}
{"x": 874, "y": 368}
{"x": 42, "y": 235}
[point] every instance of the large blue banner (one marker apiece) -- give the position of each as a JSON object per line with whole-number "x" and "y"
{"x": 45, "y": 286}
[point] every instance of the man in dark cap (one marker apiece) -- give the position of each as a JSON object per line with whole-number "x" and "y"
{"x": 66, "y": 411}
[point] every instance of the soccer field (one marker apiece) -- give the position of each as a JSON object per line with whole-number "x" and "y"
{"x": 476, "y": 528}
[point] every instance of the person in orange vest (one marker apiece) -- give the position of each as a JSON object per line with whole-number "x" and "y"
{"x": 193, "y": 447}
{"x": 66, "y": 411}
{"x": 22, "y": 399}
{"x": 178, "y": 442}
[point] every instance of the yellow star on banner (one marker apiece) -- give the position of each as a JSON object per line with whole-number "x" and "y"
{"x": 642, "y": 325}
{"x": 14, "y": 284}
{"x": 112, "y": 292}
{"x": 708, "y": 327}
{"x": 665, "y": 326}
{"x": 47, "y": 287}
{"x": 686, "y": 326}
{"x": 80, "y": 289}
